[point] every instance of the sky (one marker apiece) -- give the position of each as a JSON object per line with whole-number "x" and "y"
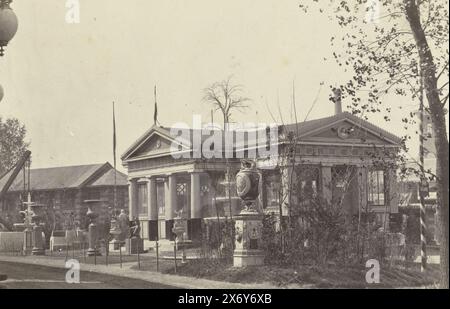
{"x": 60, "y": 79}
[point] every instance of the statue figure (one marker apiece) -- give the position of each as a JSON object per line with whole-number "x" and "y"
{"x": 135, "y": 229}
{"x": 124, "y": 225}
{"x": 179, "y": 214}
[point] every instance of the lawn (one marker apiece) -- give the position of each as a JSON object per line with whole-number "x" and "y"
{"x": 308, "y": 276}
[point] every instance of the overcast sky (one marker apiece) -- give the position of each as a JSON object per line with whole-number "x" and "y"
{"x": 60, "y": 79}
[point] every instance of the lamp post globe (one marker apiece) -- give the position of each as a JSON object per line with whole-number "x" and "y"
{"x": 8, "y": 24}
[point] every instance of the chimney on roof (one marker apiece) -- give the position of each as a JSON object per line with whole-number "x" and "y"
{"x": 336, "y": 98}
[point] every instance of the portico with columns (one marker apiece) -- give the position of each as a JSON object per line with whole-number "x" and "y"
{"x": 162, "y": 186}
{"x": 336, "y": 157}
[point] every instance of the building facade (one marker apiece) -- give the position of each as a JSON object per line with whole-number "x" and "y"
{"x": 63, "y": 191}
{"x": 343, "y": 158}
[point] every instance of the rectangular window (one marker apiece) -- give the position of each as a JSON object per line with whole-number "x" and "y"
{"x": 142, "y": 199}
{"x": 376, "y": 188}
{"x": 160, "y": 198}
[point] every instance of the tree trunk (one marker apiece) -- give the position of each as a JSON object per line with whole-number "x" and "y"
{"x": 428, "y": 73}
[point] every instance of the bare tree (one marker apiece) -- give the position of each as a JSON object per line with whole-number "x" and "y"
{"x": 226, "y": 97}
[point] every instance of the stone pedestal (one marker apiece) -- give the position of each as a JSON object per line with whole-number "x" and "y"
{"x": 134, "y": 245}
{"x": 179, "y": 229}
{"x": 27, "y": 240}
{"x": 247, "y": 250}
{"x": 38, "y": 241}
{"x": 115, "y": 231}
{"x": 93, "y": 239}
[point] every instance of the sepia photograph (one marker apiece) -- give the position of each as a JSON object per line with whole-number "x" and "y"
{"x": 236, "y": 148}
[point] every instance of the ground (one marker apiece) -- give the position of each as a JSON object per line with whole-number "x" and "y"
{"x": 310, "y": 276}
{"x": 202, "y": 273}
{"x": 22, "y": 276}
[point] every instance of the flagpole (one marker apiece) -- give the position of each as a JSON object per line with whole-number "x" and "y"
{"x": 155, "y": 113}
{"x": 114, "y": 155}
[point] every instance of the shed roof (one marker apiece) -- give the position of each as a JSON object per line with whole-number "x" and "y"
{"x": 67, "y": 177}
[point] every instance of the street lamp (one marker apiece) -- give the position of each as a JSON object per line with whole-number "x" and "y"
{"x": 8, "y": 24}
{"x": 8, "y": 28}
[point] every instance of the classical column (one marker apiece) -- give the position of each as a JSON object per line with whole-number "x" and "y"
{"x": 286, "y": 172}
{"x": 171, "y": 204}
{"x": 171, "y": 197}
{"x": 392, "y": 194}
{"x": 132, "y": 205}
{"x": 152, "y": 209}
{"x": 362, "y": 188}
{"x": 196, "y": 207}
{"x": 152, "y": 205}
{"x": 327, "y": 190}
{"x": 194, "y": 222}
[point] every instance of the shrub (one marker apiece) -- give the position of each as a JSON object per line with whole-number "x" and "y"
{"x": 218, "y": 238}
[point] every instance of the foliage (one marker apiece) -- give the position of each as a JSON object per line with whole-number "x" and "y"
{"x": 12, "y": 143}
{"x": 310, "y": 276}
{"x": 218, "y": 238}
{"x": 386, "y": 55}
{"x": 380, "y": 50}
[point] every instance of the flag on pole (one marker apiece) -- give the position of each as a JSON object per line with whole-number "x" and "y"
{"x": 155, "y": 114}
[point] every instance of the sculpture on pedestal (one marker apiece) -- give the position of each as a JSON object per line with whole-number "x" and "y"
{"x": 37, "y": 236}
{"x": 27, "y": 225}
{"x": 69, "y": 228}
{"x": 135, "y": 229}
{"x": 124, "y": 225}
{"x": 179, "y": 229}
{"x": 135, "y": 243}
{"x": 93, "y": 229}
{"x": 116, "y": 231}
{"x": 248, "y": 226}
{"x": 34, "y": 241}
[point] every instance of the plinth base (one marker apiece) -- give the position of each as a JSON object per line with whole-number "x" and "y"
{"x": 243, "y": 258}
{"x": 117, "y": 245}
{"x": 134, "y": 245}
{"x": 38, "y": 251}
{"x": 248, "y": 227}
{"x": 93, "y": 252}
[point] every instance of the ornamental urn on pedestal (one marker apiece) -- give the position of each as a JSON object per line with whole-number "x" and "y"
{"x": 248, "y": 226}
{"x": 93, "y": 229}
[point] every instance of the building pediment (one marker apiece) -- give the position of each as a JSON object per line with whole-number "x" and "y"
{"x": 154, "y": 143}
{"x": 347, "y": 132}
{"x": 344, "y": 128}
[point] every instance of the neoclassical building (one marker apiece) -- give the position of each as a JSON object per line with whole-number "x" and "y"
{"x": 343, "y": 158}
